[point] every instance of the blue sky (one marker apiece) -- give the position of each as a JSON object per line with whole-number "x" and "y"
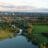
{"x": 32, "y": 3}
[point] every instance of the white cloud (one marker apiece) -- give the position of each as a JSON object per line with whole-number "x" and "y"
{"x": 35, "y": 3}
{"x": 32, "y": 3}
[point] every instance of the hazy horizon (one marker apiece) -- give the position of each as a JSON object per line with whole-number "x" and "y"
{"x": 24, "y": 5}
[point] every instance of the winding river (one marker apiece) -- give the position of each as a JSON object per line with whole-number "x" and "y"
{"x": 19, "y": 41}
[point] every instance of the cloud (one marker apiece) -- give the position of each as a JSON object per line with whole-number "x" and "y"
{"x": 7, "y": 6}
{"x": 23, "y": 5}
{"x": 35, "y": 3}
{"x": 11, "y": 7}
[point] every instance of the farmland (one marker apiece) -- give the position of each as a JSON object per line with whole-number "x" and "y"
{"x": 38, "y": 29}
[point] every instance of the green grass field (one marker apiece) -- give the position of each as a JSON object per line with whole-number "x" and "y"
{"x": 40, "y": 28}
{"x": 37, "y": 30}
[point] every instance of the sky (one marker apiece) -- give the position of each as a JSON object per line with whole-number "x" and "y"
{"x": 23, "y": 4}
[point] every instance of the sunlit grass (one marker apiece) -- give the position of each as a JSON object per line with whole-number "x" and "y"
{"x": 5, "y": 34}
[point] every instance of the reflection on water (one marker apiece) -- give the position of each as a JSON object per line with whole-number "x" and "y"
{"x": 18, "y": 42}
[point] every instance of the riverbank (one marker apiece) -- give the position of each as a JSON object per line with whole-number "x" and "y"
{"x": 5, "y": 34}
{"x": 8, "y": 32}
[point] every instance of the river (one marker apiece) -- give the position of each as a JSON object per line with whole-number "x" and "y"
{"x": 19, "y": 41}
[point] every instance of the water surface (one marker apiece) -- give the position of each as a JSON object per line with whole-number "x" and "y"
{"x": 17, "y": 42}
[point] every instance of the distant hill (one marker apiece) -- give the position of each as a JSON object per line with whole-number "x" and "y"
{"x": 24, "y": 13}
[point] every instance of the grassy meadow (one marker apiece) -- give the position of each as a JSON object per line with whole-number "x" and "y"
{"x": 37, "y": 30}
{"x": 40, "y": 28}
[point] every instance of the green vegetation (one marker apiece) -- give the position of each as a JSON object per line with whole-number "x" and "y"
{"x": 32, "y": 32}
{"x": 36, "y": 37}
{"x": 40, "y": 28}
{"x": 37, "y": 30}
{"x": 7, "y": 31}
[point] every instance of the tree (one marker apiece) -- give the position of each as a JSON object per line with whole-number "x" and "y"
{"x": 41, "y": 19}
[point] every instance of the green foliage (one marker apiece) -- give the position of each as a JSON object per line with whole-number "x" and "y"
{"x": 6, "y": 30}
{"x": 37, "y": 30}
